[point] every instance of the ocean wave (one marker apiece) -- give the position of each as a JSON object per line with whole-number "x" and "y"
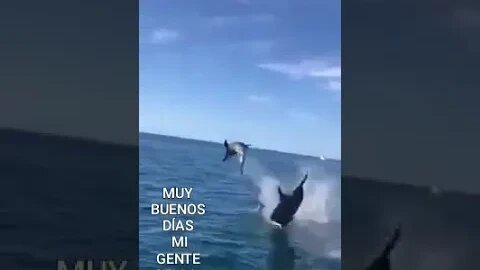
{"x": 321, "y": 201}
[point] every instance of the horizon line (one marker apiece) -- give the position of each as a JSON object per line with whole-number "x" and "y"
{"x": 258, "y": 148}
{"x": 390, "y": 181}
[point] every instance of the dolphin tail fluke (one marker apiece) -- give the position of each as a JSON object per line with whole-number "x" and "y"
{"x": 392, "y": 242}
{"x": 304, "y": 179}
{"x": 225, "y": 143}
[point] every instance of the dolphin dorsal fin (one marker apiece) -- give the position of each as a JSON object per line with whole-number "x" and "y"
{"x": 281, "y": 194}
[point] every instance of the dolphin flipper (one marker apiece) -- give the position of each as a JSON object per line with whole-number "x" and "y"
{"x": 226, "y": 157}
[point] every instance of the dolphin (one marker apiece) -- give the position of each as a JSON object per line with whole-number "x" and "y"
{"x": 236, "y": 149}
{"x": 288, "y": 205}
{"x": 382, "y": 262}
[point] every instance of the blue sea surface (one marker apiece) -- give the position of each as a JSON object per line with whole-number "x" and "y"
{"x": 234, "y": 233}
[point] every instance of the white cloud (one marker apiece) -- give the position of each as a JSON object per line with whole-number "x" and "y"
{"x": 330, "y": 72}
{"x": 326, "y": 73}
{"x": 259, "y": 99}
{"x": 305, "y": 69}
{"x": 163, "y": 36}
{"x": 334, "y": 85}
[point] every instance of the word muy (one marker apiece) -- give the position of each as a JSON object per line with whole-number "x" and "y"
{"x": 177, "y": 193}
{"x": 91, "y": 265}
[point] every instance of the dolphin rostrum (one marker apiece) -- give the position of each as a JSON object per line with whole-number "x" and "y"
{"x": 288, "y": 205}
{"x": 236, "y": 149}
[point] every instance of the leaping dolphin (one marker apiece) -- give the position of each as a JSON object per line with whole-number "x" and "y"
{"x": 236, "y": 149}
{"x": 288, "y": 206}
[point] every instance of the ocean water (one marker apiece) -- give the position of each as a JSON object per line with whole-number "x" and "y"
{"x": 234, "y": 233}
{"x": 66, "y": 199}
{"x": 440, "y": 230}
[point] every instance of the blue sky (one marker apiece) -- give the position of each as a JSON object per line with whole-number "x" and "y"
{"x": 263, "y": 72}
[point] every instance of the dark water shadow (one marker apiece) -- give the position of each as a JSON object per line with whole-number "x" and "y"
{"x": 382, "y": 262}
{"x": 282, "y": 254}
